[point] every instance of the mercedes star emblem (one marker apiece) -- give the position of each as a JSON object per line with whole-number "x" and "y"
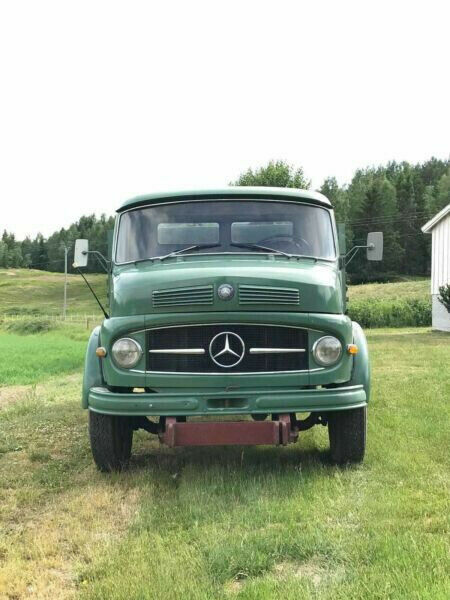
{"x": 225, "y": 291}
{"x": 227, "y": 349}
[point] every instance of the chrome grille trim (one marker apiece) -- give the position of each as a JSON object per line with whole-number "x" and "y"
{"x": 179, "y": 351}
{"x": 275, "y": 350}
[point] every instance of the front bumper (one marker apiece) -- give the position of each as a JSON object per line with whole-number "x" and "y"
{"x": 200, "y": 403}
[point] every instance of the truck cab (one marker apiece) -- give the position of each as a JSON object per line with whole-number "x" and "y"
{"x": 226, "y": 303}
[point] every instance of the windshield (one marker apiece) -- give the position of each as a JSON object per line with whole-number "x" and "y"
{"x": 225, "y": 226}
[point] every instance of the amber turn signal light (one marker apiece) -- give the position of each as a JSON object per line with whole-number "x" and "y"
{"x": 352, "y": 349}
{"x": 101, "y": 352}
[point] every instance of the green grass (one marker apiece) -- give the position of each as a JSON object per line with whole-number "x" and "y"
{"x": 32, "y": 358}
{"x": 26, "y": 290}
{"x": 401, "y": 304}
{"x": 253, "y": 523}
{"x": 410, "y": 289}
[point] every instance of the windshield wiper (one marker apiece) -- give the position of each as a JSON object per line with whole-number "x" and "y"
{"x": 175, "y": 252}
{"x": 264, "y": 248}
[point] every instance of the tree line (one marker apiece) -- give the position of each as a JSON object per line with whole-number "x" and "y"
{"x": 397, "y": 198}
{"x": 47, "y": 254}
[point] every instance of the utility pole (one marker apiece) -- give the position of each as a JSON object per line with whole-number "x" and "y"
{"x": 66, "y": 250}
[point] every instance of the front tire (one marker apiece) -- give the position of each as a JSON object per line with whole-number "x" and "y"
{"x": 347, "y": 432}
{"x": 111, "y": 439}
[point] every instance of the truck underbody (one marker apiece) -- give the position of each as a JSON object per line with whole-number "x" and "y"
{"x": 111, "y": 436}
{"x": 279, "y": 430}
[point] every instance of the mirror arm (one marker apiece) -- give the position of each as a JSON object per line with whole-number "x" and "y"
{"x": 347, "y": 262}
{"x": 93, "y": 293}
{"x": 354, "y": 250}
{"x": 104, "y": 262}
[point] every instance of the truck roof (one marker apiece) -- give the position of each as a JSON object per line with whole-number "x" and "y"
{"x": 274, "y": 193}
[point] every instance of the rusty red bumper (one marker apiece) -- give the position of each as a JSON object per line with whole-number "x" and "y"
{"x": 281, "y": 431}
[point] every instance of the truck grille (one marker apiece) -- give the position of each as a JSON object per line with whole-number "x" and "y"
{"x": 253, "y": 294}
{"x": 227, "y": 348}
{"x": 183, "y": 296}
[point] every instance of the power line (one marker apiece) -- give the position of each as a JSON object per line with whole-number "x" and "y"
{"x": 391, "y": 218}
{"x": 396, "y": 214}
{"x": 401, "y": 236}
{"x": 417, "y": 212}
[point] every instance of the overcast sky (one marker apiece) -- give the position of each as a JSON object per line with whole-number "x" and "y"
{"x": 101, "y": 101}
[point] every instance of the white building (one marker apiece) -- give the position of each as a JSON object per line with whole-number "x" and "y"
{"x": 439, "y": 227}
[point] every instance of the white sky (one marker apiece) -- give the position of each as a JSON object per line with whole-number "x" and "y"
{"x": 101, "y": 101}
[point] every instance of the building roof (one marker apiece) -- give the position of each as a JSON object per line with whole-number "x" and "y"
{"x": 435, "y": 220}
{"x": 274, "y": 193}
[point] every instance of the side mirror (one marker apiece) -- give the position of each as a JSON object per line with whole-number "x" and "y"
{"x": 80, "y": 258}
{"x": 375, "y": 245}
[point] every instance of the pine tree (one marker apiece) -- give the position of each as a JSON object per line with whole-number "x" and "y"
{"x": 408, "y": 224}
{"x": 443, "y": 191}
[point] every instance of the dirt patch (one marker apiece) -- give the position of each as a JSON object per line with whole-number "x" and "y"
{"x": 12, "y": 394}
{"x": 315, "y": 570}
{"x": 234, "y": 587}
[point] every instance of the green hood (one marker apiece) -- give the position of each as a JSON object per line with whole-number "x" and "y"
{"x": 133, "y": 286}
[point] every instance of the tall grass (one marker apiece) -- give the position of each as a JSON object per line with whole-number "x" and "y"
{"x": 401, "y": 312}
{"x": 58, "y": 349}
{"x": 29, "y": 325}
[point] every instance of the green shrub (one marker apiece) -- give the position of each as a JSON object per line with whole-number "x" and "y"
{"x": 23, "y": 310}
{"x": 391, "y": 313}
{"x": 444, "y": 295}
{"x": 29, "y": 326}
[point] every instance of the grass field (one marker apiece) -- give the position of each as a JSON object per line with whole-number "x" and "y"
{"x": 417, "y": 289}
{"x": 26, "y": 290}
{"x": 259, "y": 523}
{"x": 57, "y": 352}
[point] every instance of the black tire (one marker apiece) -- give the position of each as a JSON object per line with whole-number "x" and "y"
{"x": 347, "y": 431}
{"x": 111, "y": 440}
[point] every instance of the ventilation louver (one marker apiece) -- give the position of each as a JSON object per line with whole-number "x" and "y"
{"x": 253, "y": 294}
{"x": 183, "y": 296}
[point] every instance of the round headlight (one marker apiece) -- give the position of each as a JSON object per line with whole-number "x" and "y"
{"x": 327, "y": 350}
{"x": 126, "y": 352}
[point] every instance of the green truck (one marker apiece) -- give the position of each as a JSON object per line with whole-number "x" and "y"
{"x": 228, "y": 302}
